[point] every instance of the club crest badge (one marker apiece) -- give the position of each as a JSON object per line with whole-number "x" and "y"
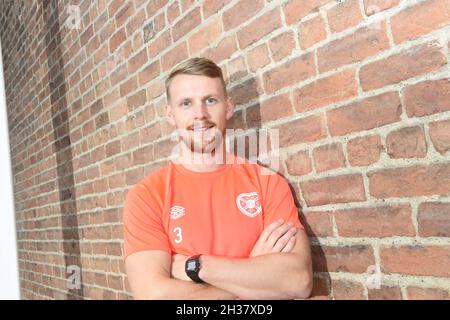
{"x": 249, "y": 204}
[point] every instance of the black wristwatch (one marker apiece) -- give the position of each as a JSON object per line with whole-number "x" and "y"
{"x": 192, "y": 268}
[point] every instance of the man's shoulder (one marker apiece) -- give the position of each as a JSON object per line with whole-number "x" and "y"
{"x": 155, "y": 180}
{"x": 241, "y": 163}
{"x": 253, "y": 169}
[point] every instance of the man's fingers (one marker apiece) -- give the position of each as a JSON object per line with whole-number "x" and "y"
{"x": 283, "y": 241}
{"x": 277, "y": 234}
{"x": 270, "y": 228}
{"x": 290, "y": 245}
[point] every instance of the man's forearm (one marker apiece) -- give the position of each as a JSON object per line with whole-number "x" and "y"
{"x": 184, "y": 290}
{"x": 271, "y": 276}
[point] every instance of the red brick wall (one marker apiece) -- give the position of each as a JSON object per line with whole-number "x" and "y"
{"x": 359, "y": 89}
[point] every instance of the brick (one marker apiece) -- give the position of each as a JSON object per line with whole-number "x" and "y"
{"x": 186, "y": 4}
{"x": 365, "y": 42}
{"x": 212, "y": 7}
{"x": 299, "y": 163}
{"x": 205, "y": 36}
{"x": 173, "y": 11}
{"x": 159, "y": 22}
{"x": 116, "y": 40}
{"x": 86, "y": 35}
{"x": 123, "y": 14}
{"x": 174, "y": 56}
{"x": 326, "y": 91}
{"x": 433, "y": 219}
{"x": 136, "y": 100}
{"x": 339, "y": 189}
{"x": 282, "y": 45}
{"x": 347, "y": 290}
{"x": 237, "y": 69}
{"x": 311, "y": 32}
{"x": 364, "y": 151}
{"x": 417, "y": 293}
{"x": 295, "y": 10}
{"x": 377, "y": 222}
{"x": 114, "y": 7}
{"x": 258, "y": 57}
{"x": 329, "y": 157}
{"x": 302, "y": 130}
{"x": 223, "y": 50}
{"x": 157, "y": 45}
{"x": 128, "y": 86}
{"x": 137, "y": 61}
{"x": 241, "y": 12}
{"x": 101, "y": 120}
{"x": 163, "y": 149}
{"x": 420, "y": 19}
{"x": 318, "y": 223}
{"x": 154, "y": 5}
{"x": 385, "y": 293}
{"x": 236, "y": 121}
{"x": 274, "y": 108}
{"x": 246, "y": 91}
{"x": 135, "y": 23}
{"x": 344, "y": 15}
{"x": 143, "y": 155}
{"x": 186, "y": 24}
{"x": 429, "y": 260}
{"x": 373, "y": 112}
{"x": 427, "y": 97}
{"x": 289, "y": 73}
{"x": 406, "y": 142}
{"x": 353, "y": 259}
{"x": 375, "y": 6}
{"x": 260, "y": 27}
{"x": 118, "y": 111}
{"x": 150, "y": 133}
{"x": 411, "y": 63}
{"x": 440, "y": 135}
{"x": 133, "y": 176}
{"x": 434, "y": 180}
{"x": 149, "y": 73}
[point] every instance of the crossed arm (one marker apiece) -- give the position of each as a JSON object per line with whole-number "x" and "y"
{"x": 279, "y": 267}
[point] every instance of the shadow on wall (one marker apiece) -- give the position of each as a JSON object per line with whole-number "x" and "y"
{"x": 62, "y": 144}
{"x": 243, "y": 93}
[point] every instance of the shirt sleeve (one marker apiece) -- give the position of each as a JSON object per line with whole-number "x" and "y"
{"x": 279, "y": 202}
{"x": 142, "y": 223}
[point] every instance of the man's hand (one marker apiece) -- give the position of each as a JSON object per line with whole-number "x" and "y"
{"x": 277, "y": 237}
{"x": 177, "y": 269}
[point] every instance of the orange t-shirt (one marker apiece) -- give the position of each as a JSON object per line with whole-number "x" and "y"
{"x": 219, "y": 213}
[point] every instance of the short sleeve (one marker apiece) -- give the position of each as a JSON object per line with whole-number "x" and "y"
{"x": 142, "y": 223}
{"x": 279, "y": 202}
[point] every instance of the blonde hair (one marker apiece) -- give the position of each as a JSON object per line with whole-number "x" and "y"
{"x": 196, "y": 66}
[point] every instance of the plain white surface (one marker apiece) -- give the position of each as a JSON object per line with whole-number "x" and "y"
{"x": 9, "y": 270}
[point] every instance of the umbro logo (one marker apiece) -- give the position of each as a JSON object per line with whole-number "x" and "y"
{"x": 177, "y": 212}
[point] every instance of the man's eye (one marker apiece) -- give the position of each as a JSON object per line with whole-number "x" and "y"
{"x": 211, "y": 100}
{"x": 185, "y": 104}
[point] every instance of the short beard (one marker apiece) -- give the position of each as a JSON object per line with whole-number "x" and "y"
{"x": 202, "y": 145}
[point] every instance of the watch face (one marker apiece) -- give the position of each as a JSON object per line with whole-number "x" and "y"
{"x": 191, "y": 265}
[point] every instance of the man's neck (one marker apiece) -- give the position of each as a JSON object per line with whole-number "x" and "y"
{"x": 201, "y": 162}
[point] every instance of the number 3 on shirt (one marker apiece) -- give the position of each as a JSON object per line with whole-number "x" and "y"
{"x": 178, "y": 234}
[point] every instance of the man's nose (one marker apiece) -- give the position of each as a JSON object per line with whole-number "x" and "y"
{"x": 201, "y": 111}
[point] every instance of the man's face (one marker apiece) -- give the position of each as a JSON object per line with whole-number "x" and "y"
{"x": 199, "y": 109}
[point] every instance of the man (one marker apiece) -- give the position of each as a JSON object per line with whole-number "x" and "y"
{"x": 209, "y": 229}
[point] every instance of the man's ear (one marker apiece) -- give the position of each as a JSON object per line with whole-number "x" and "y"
{"x": 169, "y": 115}
{"x": 230, "y": 108}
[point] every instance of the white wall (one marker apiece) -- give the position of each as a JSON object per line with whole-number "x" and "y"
{"x": 9, "y": 271}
